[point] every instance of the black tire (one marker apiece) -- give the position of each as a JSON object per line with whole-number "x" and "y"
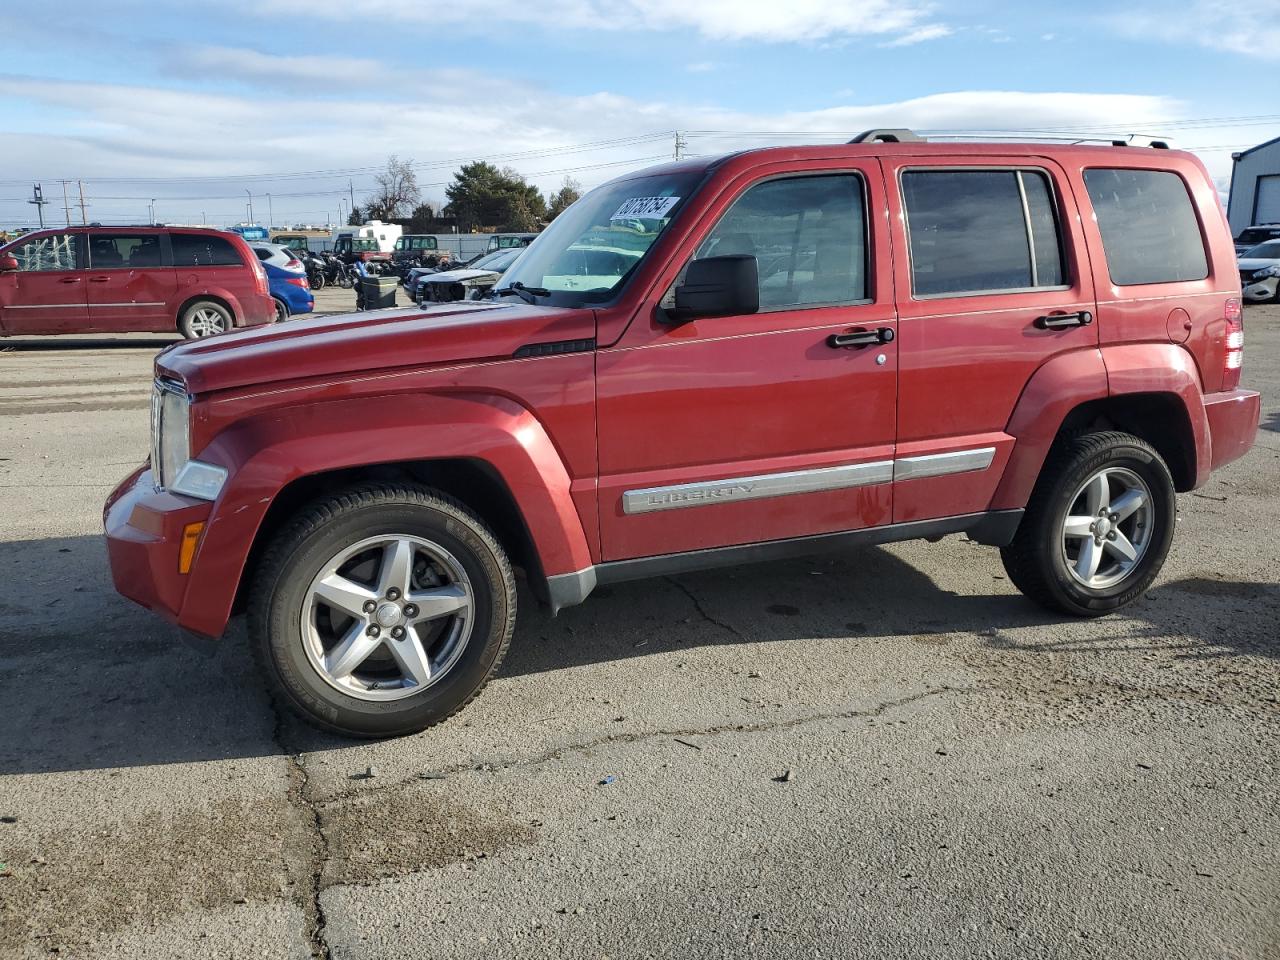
{"x": 322, "y": 530}
{"x": 1036, "y": 561}
{"x": 282, "y": 311}
{"x": 196, "y": 321}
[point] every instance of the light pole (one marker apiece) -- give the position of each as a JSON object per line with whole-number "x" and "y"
{"x": 271, "y": 217}
{"x": 250, "y": 195}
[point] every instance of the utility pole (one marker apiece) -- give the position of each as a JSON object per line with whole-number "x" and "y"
{"x": 271, "y": 217}
{"x": 66, "y": 204}
{"x": 352, "y": 190}
{"x": 681, "y": 144}
{"x": 151, "y": 212}
{"x": 37, "y": 198}
{"x": 84, "y": 220}
{"x": 246, "y": 190}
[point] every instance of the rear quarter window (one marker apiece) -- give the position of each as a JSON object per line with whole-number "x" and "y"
{"x": 197, "y": 250}
{"x": 1149, "y": 229}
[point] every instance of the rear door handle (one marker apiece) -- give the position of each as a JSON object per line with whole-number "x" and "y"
{"x": 1060, "y": 321}
{"x": 861, "y": 338}
{"x": 69, "y": 280}
{"x": 99, "y": 279}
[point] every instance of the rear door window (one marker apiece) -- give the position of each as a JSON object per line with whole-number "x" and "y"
{"x": 981, "y": 231}
{"x": 124, "y": 251}
{"x": 1149, "y": 229}
{"x": 201, "y": 250}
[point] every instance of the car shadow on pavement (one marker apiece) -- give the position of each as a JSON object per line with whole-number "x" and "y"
{"x": 35, "y": 344}
{"x": 1271, "y": 422}
{"x": 92, "y": 681}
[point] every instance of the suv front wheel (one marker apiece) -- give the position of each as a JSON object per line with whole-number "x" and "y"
{"x": 1097, "y": 528}
{"x": 382, "y": 611}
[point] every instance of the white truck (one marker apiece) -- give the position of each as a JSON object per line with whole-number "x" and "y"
{"x": 368, "y": 241}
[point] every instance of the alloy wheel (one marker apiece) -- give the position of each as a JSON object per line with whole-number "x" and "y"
{"x": 1108, "y": 528}
{"x": 387, "y": 617}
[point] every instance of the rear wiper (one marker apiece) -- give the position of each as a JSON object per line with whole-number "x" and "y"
{"x": 527, "y": 294}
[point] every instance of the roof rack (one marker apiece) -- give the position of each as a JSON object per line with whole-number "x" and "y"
{"x": 902, "y": 135}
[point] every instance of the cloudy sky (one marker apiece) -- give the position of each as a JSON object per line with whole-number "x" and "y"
{"x": 208, "y": 106}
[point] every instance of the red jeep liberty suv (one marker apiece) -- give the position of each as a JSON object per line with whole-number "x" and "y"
{"x": 716, "y": 361}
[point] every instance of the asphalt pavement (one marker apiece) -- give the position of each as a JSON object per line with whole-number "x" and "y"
{"x": 885, "y": 754}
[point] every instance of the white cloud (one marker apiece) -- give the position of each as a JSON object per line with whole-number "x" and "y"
{"x": 759, "y": 20}
{"x": 1231, "y": 27}
{"x": 99, "y": 131}
{"x": 931, "y": 31}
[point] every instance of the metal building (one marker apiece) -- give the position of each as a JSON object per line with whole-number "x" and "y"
{"x": 1255, "y": 187}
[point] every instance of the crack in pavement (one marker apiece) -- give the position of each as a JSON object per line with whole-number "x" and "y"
{"x": 308, "y": 896}
{"x": 628, "y": 738}
{"x": 697, "y": 605}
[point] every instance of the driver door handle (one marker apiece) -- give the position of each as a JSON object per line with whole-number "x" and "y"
{"x": 99, "y": 279}
{"x": 69, "y": 280}
{"x": 860, "y": 338}
{"x": 1060, "y": 321}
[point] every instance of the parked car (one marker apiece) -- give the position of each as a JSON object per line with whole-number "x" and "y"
{"x": 286, "y": 279}
{"x": 349, "y": 249}
{"x": 414, "y": 277}
{"x": 473, "y": 283}
{"x": 1252, "y": 236}
{"x": 795, "y": 349}
{"x": 296, "y": 242}
{"x": 1260, "y": 272}
{"x": 117, "y": 279}
{"x": 419, "y": 250}
{"x": 506, "y": 241}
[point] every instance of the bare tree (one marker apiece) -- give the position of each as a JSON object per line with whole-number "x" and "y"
{"x": 569, "y": 192}
{"x": 397, "y": 192}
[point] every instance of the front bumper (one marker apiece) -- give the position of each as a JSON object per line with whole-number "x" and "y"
{"x": 1261, "y": 290}
{"x": 144, "y": 535}
{"x": 1233, "y": 423}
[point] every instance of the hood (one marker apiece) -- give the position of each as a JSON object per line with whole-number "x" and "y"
{"x": 330, "y": 347}
{"x": 464, "y": 276}
{"x": 1258, "y": 263}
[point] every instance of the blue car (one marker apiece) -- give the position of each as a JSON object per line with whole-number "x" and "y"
{"x": 286, "y": 279}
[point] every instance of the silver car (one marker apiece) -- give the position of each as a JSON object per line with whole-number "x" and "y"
{"x": 1260, "y": 272}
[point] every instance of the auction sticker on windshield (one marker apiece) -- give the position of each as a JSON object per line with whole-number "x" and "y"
{"x": 645, "y": 208}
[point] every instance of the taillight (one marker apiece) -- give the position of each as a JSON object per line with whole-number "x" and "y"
{"x": 1235, "y": 345}
{"x": 298, "y": 282}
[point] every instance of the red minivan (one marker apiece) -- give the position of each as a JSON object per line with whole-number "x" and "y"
{"x": 131, "y": 279}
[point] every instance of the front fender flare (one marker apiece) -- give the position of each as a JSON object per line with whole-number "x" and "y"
{"x": 266, "y": 453}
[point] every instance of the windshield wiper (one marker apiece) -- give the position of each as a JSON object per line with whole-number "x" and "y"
{"x": 527, "y": 294}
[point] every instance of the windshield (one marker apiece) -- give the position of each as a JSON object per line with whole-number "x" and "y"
{"x": 1263, "y": 251}
{"x": 364, "y": 243}
{"x": 590, "y": 250}
{"x": 495, "y": 261}
{"x": 1254, "y": 235}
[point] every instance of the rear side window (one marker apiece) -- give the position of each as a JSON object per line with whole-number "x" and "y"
{"x": 976, "y": 231}
{"x": 808, "y": 236}
{"x": 1148, "y": 226}
{"x": 199, "y": 250}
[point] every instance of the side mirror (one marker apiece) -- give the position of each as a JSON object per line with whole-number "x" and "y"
{"x": 718, "y": 287}
{"x": 8, "y": 264}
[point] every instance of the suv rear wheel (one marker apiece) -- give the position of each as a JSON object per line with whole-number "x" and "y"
{"x": 204, "y": 318}
{"x": 382, "y": 611}
{"x": 1097, "y": 528}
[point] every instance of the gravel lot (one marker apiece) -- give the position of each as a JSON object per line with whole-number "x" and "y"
{"x": 969, "y": 776}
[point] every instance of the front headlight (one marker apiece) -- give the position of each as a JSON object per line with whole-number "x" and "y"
{"x": 171, "y": 463}
{"x": 1271, "y": 271}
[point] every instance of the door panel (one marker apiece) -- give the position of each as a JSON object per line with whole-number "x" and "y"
{"x": 740, "y": 429}
{"x": 46, "y": 295}
{"x": 965, "y": 356}
{"x": 129, "y": 285}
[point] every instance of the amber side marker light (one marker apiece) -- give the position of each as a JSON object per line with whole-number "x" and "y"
{"x": 190, "y": 538}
